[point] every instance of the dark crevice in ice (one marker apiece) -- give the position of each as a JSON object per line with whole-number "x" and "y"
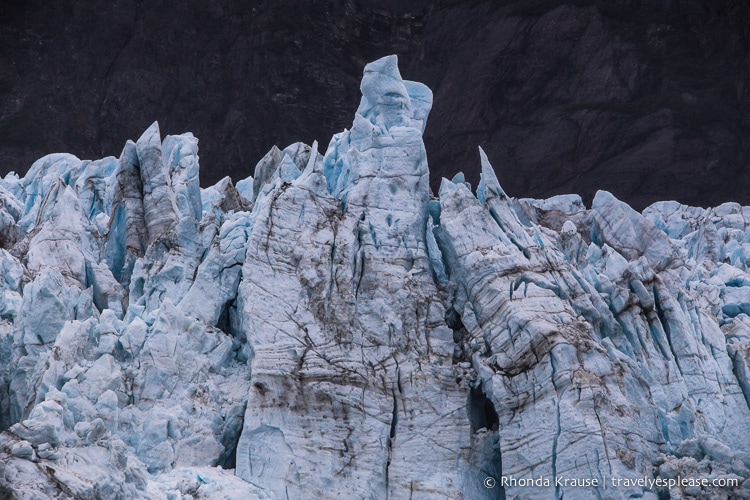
{"x": 228, "y": 323}
{"x": 482, "y": 413}
{"x": 461, "y": 352}
{"x": 391, "y": 438}
{"x": 231, "y": 436}
{"x": 224, "y": 324}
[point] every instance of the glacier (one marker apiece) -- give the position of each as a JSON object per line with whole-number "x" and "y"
{"x": 328, "y": 328}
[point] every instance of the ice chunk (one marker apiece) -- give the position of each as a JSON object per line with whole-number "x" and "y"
{"x": 159, "y": 207}
{"x": 94, "y": 186}
{"x": 41, "y": 177}
{"x": 385, "y": 101}
{"x": 565, "y": 203}
{"x": 215, "y": 286}
{"x": 296, "y": 157}
{"x": 245, "y": 188}
{"x": 181, "y": 161}
{"x": 630, "y": 233}
{"x": 128, "y": 236}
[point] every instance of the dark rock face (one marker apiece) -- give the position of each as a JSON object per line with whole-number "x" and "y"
{"x": 649, "y": 100}
{"x": 646, "y": 101}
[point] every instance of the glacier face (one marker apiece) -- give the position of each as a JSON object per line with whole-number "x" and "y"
{"x": 329, "y": 329}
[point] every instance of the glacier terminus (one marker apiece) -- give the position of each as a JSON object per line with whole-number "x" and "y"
{"x": 329, "y": 328}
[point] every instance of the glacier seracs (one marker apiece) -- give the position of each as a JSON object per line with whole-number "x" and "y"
{"x": 329, "y": 329}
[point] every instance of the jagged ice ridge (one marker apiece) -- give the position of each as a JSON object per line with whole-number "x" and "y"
{"x": 329, "y": 329}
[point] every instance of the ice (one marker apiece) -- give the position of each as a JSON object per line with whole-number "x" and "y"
{"x": 630, "y": 233}
{"x": 365, "y": 258}
{"x": 127, "y": 237}
{"x": 40, "y": 178}
{"x": 565, "y": 203}
{"x": 291, "y": 160}
{"x": 245, "y": 188}
{"x": 159, "y": 205}
{"x": 10, "y": 211}
{"x": 328, "y": 328}
{"x": 181, "y": 160}
{"x": 95, "y": 187}
{"x": 220, "y": 272}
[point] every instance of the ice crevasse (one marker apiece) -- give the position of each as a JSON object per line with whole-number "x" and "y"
{"x": 329, "y": 328}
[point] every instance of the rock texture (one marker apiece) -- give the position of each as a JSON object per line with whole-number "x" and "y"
{"x": 329, "y": 329}
{"x": 648, "y": 100}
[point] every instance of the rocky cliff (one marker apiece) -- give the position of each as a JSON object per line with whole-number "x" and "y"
{"x": 328, "y": 329}
{"x": 648, "y": 100}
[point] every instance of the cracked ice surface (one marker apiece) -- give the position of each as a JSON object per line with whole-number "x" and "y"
{"x": 327, "y": 328}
